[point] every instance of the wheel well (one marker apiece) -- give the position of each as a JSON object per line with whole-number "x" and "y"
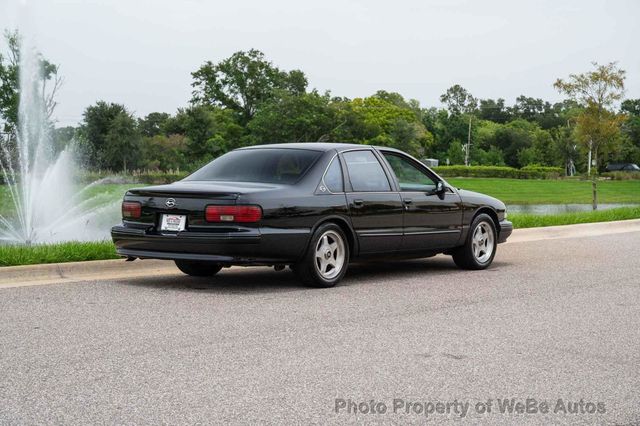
{"x": 348, "y": 232}
{"x": 491, "y": 214}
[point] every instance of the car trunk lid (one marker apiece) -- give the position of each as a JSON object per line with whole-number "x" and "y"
{"x": 190, "y": 198}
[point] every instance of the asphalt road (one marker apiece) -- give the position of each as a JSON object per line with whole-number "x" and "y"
{"x": 550, "y": 320}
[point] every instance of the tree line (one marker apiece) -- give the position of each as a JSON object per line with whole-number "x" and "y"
{"x": 245, "y": 99}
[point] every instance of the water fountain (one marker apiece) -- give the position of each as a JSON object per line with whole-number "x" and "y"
{"x": 45, "y": 203}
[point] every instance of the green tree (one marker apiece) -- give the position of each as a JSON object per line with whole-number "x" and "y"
{"x": 455, "y": 153}
{"x": 153, "y": 123}
{"x": 10, "y": 85}
{"x": 530, "y": 156}
{"x": 514, "y": 137}
{"x": 162, "y": 152}
{"x": 631, "y": 107}
{"x": 122, "y": 144}
{"x": 379, "y": 121}
{"x": 243, "y": 82}
{"x": 411, "y": 136}
{"x": 460, "y": 101}
{"x": 493, "y": 157}
{"x": 445, "y": 128}
{"x": 597, "y": 128}
{"x": 94, "y": 130}
{"x": 494, "y": 110}
{"x": 210, "y": 131}
{"x": 63, "y": 137}
{"x": 630, "y": 150}
{"x": 545, "y": 114}
{"x": 289, "y": 117}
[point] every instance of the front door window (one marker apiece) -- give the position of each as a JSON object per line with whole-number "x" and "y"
{"x": 410, "y": 178}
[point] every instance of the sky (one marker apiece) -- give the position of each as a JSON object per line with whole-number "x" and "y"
{"x": 141, "y": 52}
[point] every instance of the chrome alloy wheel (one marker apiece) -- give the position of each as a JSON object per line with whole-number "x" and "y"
{"x": 483, "y": 242}
{"x": 330, "y": 255}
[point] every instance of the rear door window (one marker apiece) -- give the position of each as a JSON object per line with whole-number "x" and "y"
{"x": 365, "y": 172}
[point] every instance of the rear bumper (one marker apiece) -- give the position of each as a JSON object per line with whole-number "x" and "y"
{"x": 506, "y": 228}
{"x": 264, "y": 246}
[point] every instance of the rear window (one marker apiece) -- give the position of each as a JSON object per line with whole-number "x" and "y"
{"x": 267, "y": 165}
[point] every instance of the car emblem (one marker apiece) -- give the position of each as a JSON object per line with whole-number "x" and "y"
{"x": 171, "y": 203}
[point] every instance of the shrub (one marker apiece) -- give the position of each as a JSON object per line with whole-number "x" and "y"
{"x": 622, "y": 175}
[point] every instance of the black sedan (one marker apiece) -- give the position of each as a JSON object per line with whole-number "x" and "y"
{"x": 312, "y": 206}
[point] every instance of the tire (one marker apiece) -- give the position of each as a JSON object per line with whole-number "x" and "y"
{"x": 326, "y": 259}
{"x": 480, "y": 248}
{"x": 198, "y": 268}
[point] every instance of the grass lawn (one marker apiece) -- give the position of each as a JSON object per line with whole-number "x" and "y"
{"x": 101, "y": 193}
{"x": 75, "y": 252}
{"x": 530, "y": 191}
{"x": 511, "y": 191}
{"x": 56, "y": 253}
{"x": 523, "y": 220}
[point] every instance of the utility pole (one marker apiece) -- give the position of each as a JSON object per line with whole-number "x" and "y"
{"x": 466, "y": 151}
{"x": 589, "y": 159}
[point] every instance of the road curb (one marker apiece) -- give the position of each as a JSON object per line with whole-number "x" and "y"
{"x": 52, "y": 273}
{"x": 57, "y": 273}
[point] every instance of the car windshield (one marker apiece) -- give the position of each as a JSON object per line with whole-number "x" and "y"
{"x": 266, "y": 165}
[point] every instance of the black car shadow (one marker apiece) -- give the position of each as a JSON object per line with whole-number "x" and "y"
{"x": 266, "y": 280}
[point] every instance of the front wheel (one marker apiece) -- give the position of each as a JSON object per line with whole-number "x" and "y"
{"x": 480, "y": 248}
{"x": 327, "y": 257}
{"x": 198, "y": 268}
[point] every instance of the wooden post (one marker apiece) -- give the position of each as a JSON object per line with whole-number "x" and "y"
{"x": 466, "y": 151}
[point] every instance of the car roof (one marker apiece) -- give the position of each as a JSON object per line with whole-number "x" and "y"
{"x": 315, "y": 146}
{"x": 320, "y": 146}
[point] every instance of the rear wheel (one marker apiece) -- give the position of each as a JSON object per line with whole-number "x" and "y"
{"x": 198, "y": 268}
{"x": 480, "y": 248}
{"x": 327, "y": 257}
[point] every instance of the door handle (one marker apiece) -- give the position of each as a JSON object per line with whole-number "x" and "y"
{"x": 358, "y": 203}
{"x": 407, "y": 201}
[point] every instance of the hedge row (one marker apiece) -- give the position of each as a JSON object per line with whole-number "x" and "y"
{"x": 528, "y": 172}
{"x": 138, "y": 176}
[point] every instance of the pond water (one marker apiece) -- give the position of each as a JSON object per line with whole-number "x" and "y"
{"x": 543, "y": 209}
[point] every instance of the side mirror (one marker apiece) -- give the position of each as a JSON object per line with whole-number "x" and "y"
{"x": 438, "y": 190}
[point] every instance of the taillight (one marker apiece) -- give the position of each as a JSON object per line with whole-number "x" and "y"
{"x": 131, "y": 209}
{"x": 239, "y": 214}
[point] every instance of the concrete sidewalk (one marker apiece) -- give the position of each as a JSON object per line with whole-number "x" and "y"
{"x": 574, "y": 231}
{"x": 56, "y": 273}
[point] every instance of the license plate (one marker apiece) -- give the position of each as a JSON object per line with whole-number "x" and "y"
{"x": 173, "y": 222}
